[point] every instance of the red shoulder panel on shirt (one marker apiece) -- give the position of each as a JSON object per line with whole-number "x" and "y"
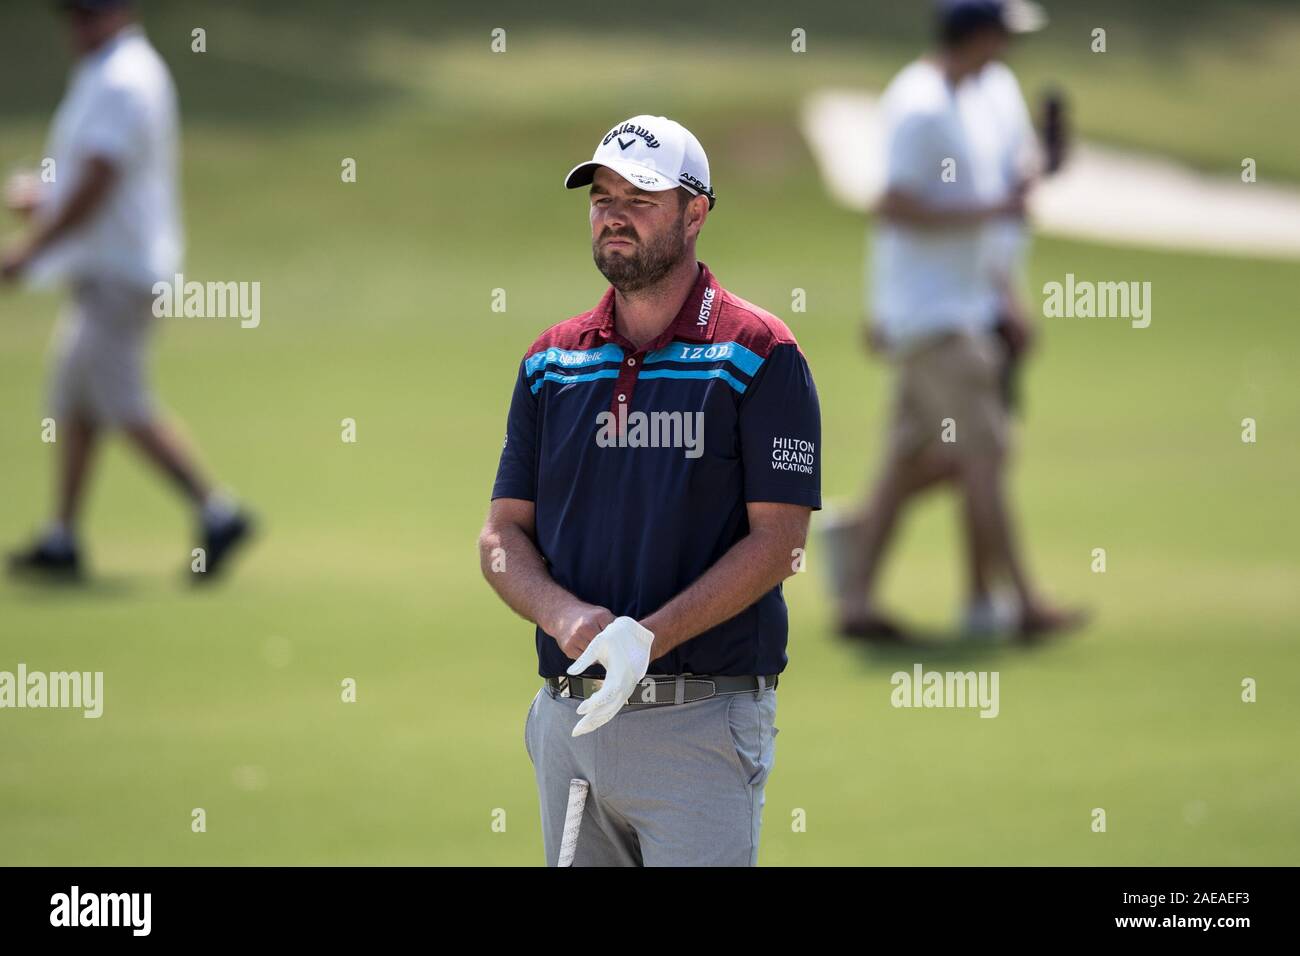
{"x": 755, "y": 328}
{"x": 738, "y": 320}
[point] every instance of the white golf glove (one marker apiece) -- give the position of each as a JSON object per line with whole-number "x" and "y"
{"x": 623, "y": 649}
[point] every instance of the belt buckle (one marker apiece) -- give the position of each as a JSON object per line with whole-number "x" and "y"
{"x": 565, "y": 690}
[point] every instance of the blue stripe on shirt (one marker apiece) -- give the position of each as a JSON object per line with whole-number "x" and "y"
{"x": 572, "y": 358}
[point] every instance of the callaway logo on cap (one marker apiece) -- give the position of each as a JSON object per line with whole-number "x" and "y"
{"x": 651, "y": 152}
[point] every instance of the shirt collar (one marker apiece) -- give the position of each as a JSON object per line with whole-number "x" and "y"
{"x": 694, "y": 322}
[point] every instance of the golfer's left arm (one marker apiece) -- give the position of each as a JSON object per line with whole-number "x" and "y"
{"x": 755, "y": 564}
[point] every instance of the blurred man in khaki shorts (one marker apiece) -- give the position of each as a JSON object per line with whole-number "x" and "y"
{"x": 107, "y": 227}
{"x": 959, "y": 147}
{"x": 952, "y": 375}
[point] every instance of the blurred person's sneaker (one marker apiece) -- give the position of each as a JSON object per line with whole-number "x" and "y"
{"x": 47, "y": 559}
{"x": 990, "y": 619}
{"x": 1039, "y": 621}
{"x": 221, "y": 538}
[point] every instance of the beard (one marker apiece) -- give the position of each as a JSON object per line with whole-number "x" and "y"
{"x": 647, "y": 264}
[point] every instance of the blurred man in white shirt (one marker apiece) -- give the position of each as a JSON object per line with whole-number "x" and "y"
{"x": 108, "y": 227}
{"x": 960, "y": 154}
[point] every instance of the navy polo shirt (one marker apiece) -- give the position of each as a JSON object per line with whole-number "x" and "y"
{"x": 640, "y": 462}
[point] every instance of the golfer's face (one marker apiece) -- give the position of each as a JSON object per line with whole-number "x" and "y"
{"x": 624, "y": 218}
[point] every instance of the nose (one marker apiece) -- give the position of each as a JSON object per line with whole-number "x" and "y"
{"x": 612, "y": 216}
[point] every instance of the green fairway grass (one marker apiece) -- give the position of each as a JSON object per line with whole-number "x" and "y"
{"x": 377, "y": 306}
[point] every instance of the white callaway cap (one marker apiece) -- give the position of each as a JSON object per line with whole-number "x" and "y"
{"x": 651, "y": 152}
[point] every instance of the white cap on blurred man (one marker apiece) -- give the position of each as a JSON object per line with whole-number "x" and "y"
{"x": 958, "y": 18}
{"x": 653, "y": 153}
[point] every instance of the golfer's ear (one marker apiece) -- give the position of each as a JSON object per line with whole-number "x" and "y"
{"x": 697, "y": 211}
{"x": 702, "y": 206}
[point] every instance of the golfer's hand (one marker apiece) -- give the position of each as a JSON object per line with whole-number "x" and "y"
{"x": 623, "y": 649}
{"x": 577, "y": 625}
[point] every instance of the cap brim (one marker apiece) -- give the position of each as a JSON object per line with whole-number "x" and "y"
{"x": 642, "y": 177}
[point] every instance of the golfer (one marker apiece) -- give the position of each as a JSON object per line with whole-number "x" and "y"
{"x": 662, "y": 459}
{"x": 947, "y": 312}
{"x": 108, "y": 228}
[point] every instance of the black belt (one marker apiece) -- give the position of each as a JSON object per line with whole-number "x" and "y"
{"x": 680, "y": 689}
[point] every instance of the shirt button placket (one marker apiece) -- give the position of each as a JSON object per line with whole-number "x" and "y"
{"x": 626, "y": 381}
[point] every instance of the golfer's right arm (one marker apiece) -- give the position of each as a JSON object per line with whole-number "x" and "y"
{"x": 513, "y": 566}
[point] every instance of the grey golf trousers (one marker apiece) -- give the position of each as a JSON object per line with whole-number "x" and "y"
{"x": 671, "y": 785}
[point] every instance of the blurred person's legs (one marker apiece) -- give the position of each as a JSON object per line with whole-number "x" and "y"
{"x": 161, "y": 443}
{"x": 989, "y": 613}
{"x": 55, "y": 553}
{"x": 80, "y": 442}
{"x": 965, "y": 377}
{"x": 916, "y": 460}
{"x": 222, "y": 524}
{"x": 860, "y": 542}
{"x": 951, "y": 424}
{"x": 994, "y": 539}
{"x": 99, "y": 382}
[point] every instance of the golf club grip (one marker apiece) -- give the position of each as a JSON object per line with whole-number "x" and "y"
{"x": 573, "y": 820}
{"x": 1055, "y": 131}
